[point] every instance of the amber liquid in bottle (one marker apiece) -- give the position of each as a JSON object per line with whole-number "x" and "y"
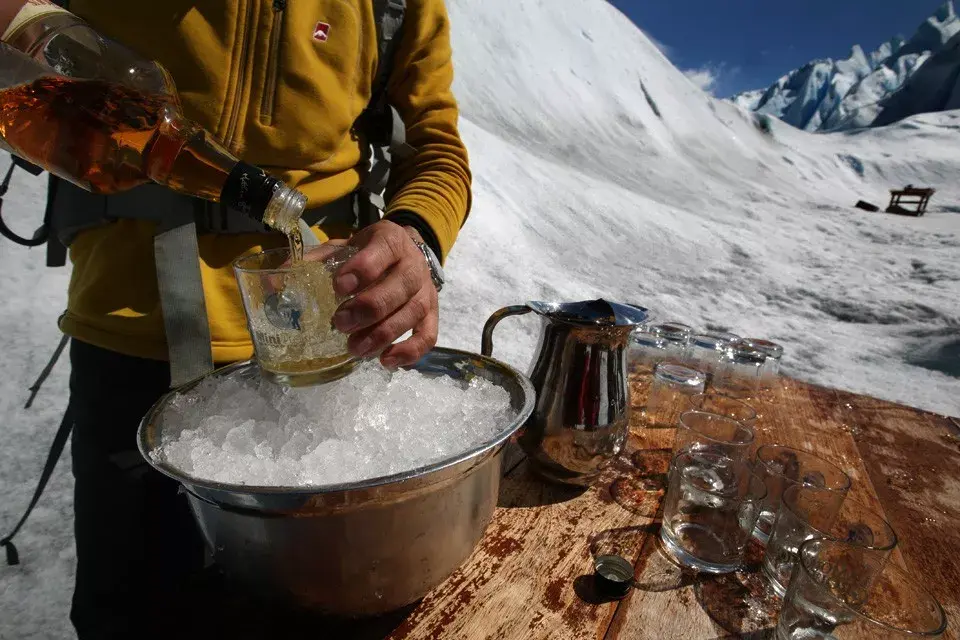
{"x": 107, "y": 138}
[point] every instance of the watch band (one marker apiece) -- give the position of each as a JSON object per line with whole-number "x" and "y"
{"x": 433, "y": 263}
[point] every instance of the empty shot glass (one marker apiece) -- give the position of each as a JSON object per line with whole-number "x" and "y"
{"x": 676, "y": 337}
{"x": 700, "y": 431}
{"x": 289, "y": 310}
{"x": 773, "y": 354}
{"x": 725, "y": 336}
{"x": 705, "y": 353}
{"x": 669, "y": 393}
{"x": 808, "y": 512}
{"x": 781, "y": 467}
{"x": 838, "y": 592}
{"x": 710, "y": 509}
{"x": 740, "y": 372}
{"x": 645, "y": 351}
{"x": 724, "y": 405}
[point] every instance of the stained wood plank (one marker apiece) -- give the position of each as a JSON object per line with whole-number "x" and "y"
{"x": 913, "y": 459}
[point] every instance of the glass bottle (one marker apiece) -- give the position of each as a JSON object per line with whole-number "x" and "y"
{"x": 90, "y": 111}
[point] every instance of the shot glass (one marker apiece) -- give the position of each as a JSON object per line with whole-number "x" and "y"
{"x": 808, "y": 512}
{"x": 676, "y": 337}
{"x": 711, "y": 506}
{"x": 773, "y": 354}
{"x": 645, "y": 351}
{"x": 702, "y": 432}
{"x": 740, "y": 370}
{"x": 289, "y": 309}
{"x": 672, "y": 385}
{"x": 705, "y": 353}
{"x": 724, "y": 405}
{"x": 725, "y": 336}
{"x": 838, "y": 592}
{"x": 781, "y": 467}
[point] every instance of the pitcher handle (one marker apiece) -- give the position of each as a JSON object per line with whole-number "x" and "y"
{"x": 486, "y": 348}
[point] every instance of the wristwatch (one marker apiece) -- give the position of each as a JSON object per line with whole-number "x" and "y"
{"x": 436, "y": 271}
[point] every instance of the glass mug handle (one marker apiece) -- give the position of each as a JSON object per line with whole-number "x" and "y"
{"x": 486, "y": 348}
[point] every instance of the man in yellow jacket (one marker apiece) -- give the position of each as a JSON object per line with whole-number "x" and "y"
{"x": 280, "y": 83}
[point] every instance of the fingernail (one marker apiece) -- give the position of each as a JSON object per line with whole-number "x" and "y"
{"x": 347, "y": 284}
{"x": 389, "y": 363}
{"x": 344, "y": 320}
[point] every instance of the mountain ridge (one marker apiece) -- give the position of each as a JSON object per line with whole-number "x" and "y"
{"x": 834, "y": 95}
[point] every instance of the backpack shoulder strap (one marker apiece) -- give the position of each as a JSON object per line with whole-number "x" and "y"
{"x": 382, "y": 132}
{"x": 389, "y": 16}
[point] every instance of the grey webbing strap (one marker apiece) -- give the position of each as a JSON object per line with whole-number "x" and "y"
{"x": 388, "y": 16}
{"x": 181, "y": 298}
{"x": 378, "y": 176}
{"x": 399, "y": 148}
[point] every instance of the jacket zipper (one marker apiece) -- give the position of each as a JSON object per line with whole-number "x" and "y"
{"x": 241, "y": 74}
{"x": 273, "y": 64}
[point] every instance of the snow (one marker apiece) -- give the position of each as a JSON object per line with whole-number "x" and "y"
{"x": 829, "y": 95}
{"x": 600, "y": 171}
{"x": 749, "y": 100}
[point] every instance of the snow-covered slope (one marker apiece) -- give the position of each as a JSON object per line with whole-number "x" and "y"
{"x": 600, "y": 170}
{"x": 833, "y": 95}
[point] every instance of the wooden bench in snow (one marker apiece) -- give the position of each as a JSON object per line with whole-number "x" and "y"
{"x": 910, "y": 195}
{"x": 531, "y": 575}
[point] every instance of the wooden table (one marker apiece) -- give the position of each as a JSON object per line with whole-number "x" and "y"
{"x": 531, "y": 576}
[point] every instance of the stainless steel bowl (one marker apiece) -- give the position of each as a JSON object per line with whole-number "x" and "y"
{"x": 355, "y": 549}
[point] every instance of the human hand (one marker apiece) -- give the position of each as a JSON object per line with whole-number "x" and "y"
{"x": 394, "y": 294}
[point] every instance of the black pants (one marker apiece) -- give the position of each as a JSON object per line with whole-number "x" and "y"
{"x": 137, "y": 544}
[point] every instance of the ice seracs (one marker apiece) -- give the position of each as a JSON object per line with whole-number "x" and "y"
{"x": 836, "y": 95}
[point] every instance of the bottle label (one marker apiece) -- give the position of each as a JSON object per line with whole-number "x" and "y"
{"x": 248, "y": 189}
{"x": 32, "y": 11}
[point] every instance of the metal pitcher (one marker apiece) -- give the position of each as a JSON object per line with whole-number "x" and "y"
{"x": 580, "y": 376}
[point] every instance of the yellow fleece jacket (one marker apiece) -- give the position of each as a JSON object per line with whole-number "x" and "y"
{"x": 278, "y": 94}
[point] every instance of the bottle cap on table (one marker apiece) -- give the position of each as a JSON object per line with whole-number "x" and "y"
{"x": 614, "y": 575}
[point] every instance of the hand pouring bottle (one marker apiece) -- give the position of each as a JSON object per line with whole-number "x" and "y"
{"x": 92, "y": 112}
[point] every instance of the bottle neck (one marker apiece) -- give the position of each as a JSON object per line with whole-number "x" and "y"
{"x": 284, "y": 209}
{"x": 249, "y": 190}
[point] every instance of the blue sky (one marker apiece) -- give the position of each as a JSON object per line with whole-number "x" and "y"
{"x": 748, "y": 44}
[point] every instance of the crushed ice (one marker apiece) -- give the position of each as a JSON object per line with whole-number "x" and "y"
{"x": 373, "y": 423}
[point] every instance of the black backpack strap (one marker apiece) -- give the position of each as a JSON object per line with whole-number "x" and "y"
{"x": 59, "y": 441}
{"x": 56, "y": 250}
{"x": 40, "y": 236}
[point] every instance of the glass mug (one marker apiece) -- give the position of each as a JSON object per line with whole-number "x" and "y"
{"x": 289, "y": 311}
